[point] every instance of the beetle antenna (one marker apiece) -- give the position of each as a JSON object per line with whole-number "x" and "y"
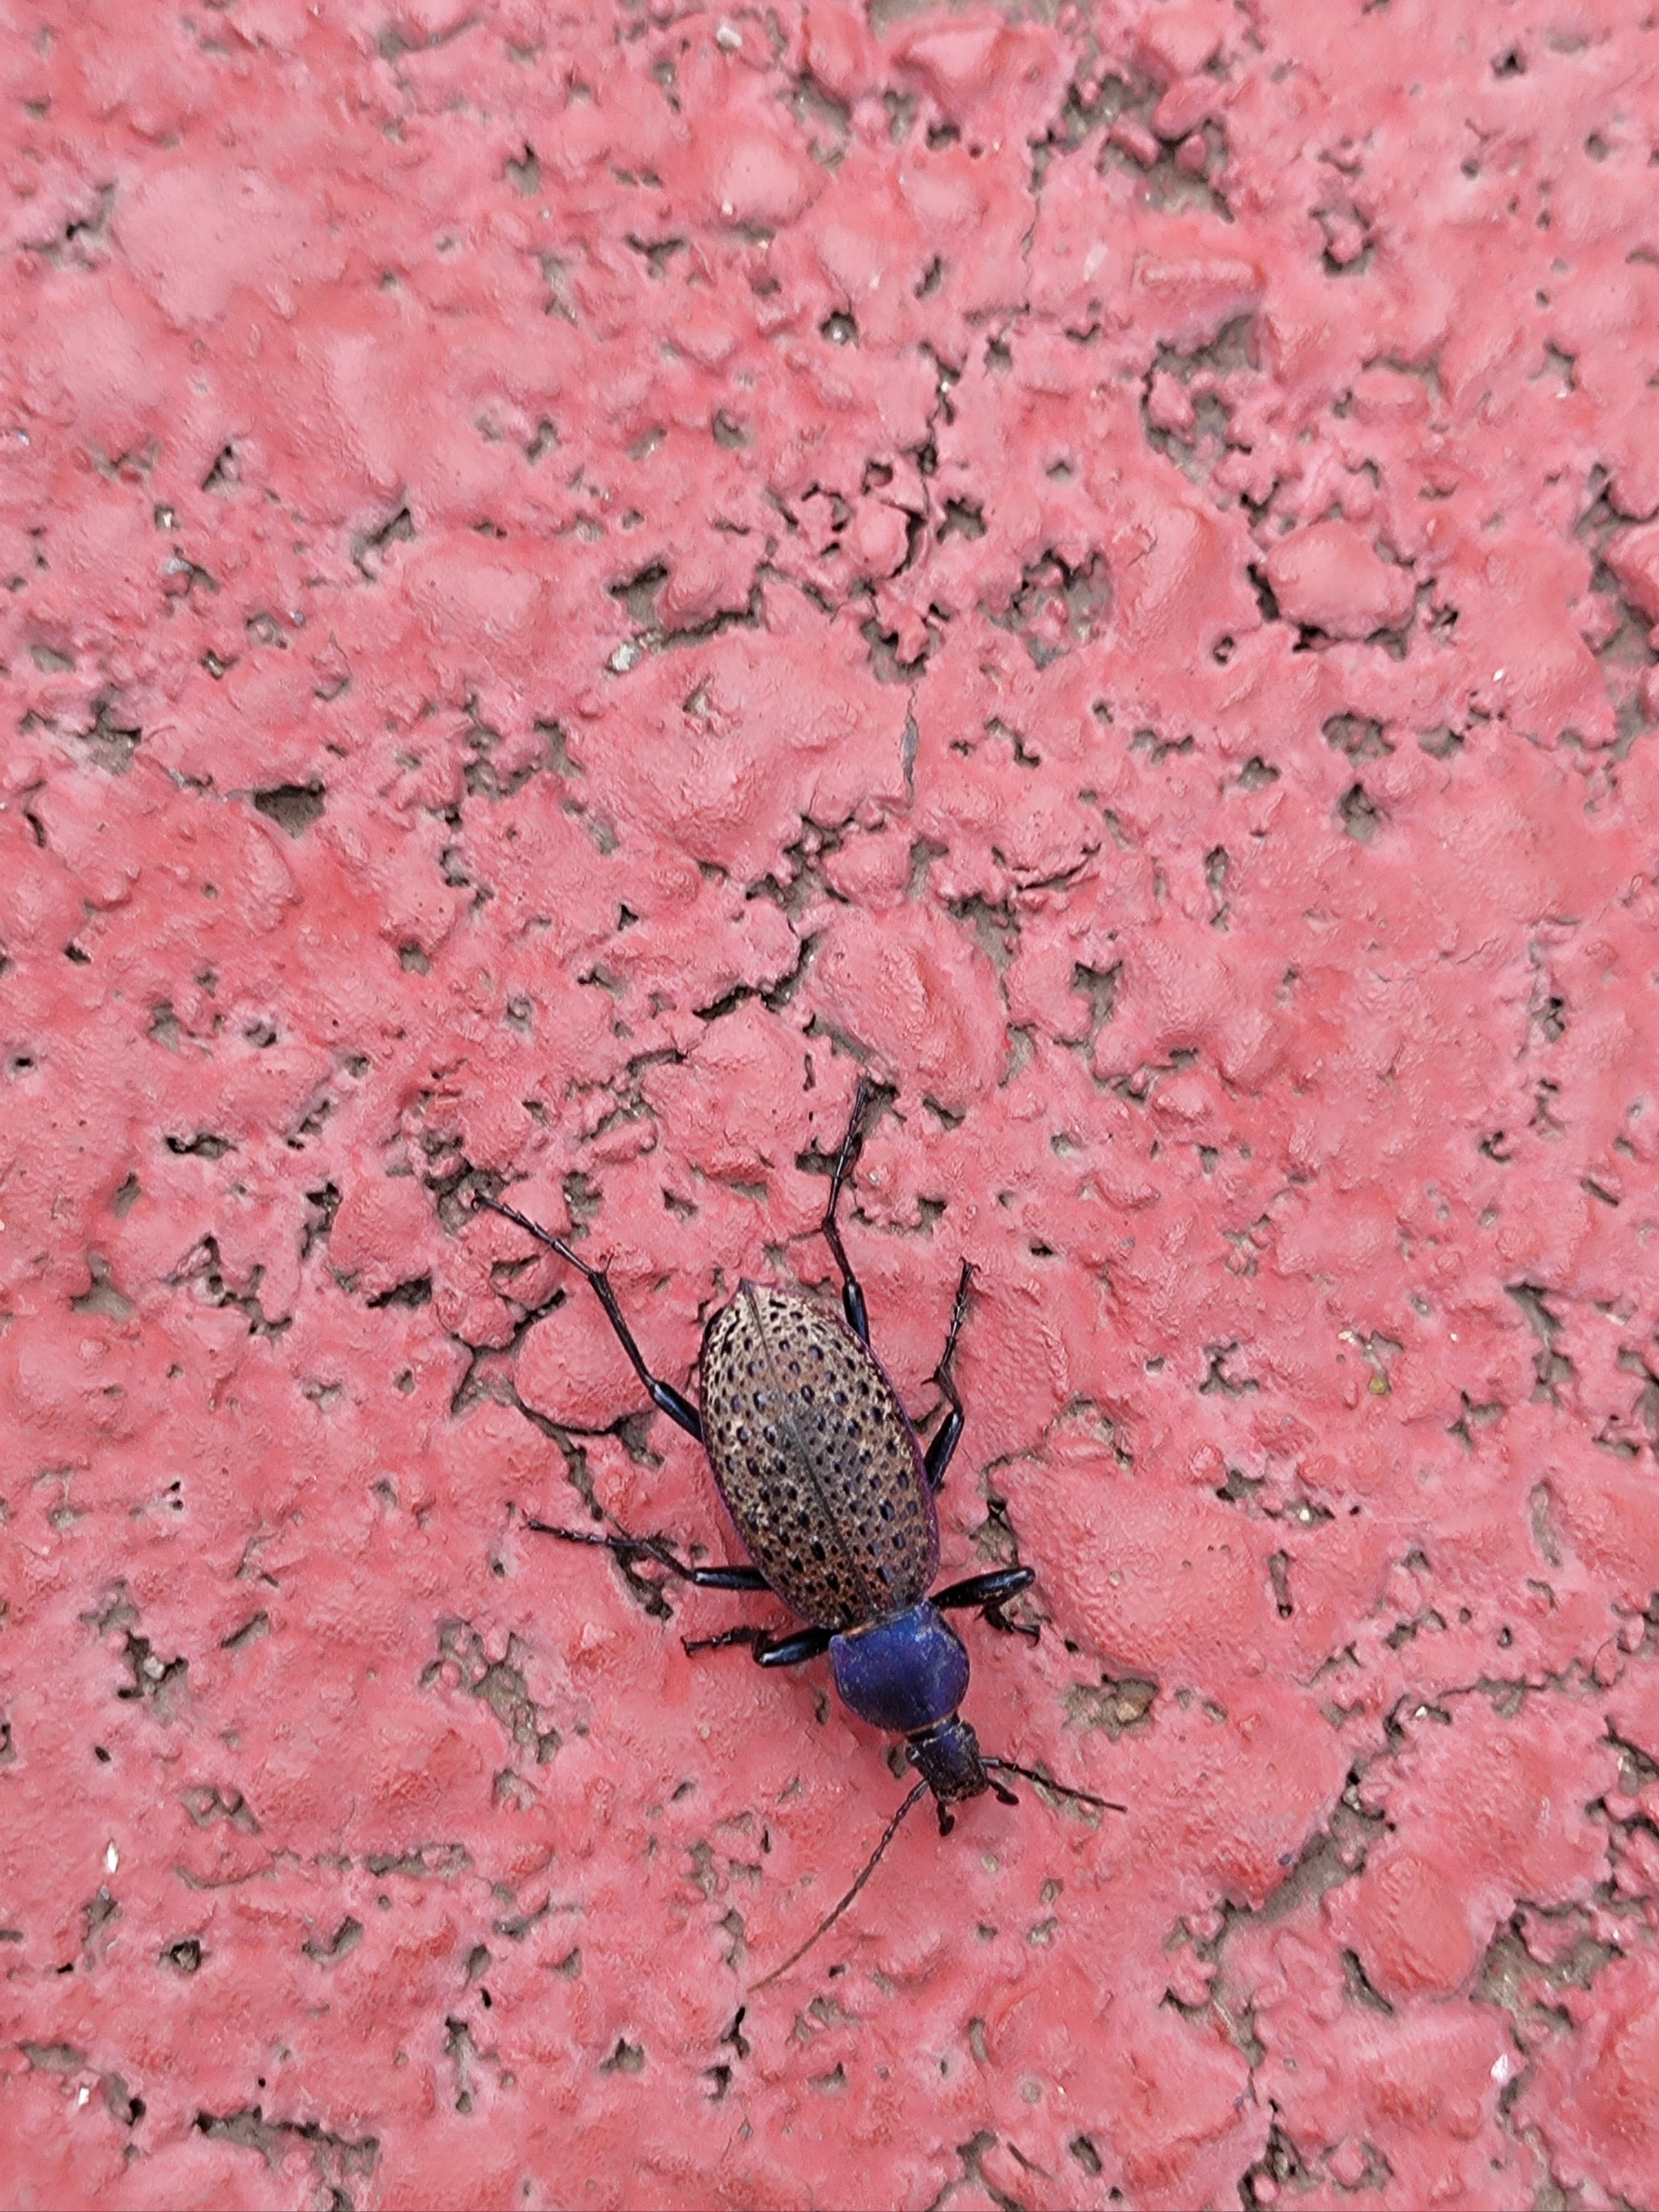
{"x": 830, "y": 1919}
{"x": 1060, "y": 1789}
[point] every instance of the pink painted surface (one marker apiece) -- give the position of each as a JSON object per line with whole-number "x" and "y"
{"x": 569, "y": 576}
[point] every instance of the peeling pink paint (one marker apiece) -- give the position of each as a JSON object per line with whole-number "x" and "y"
{"x": 1329, "y": 577}
{"x": 569, "y": 576}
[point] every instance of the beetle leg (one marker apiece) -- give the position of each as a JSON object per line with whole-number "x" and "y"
{"x": 769, "y": 1650}
{"x": 944, "y": 1441}
{"x": 791, "y": 1650}
{"x": 941, "y": 1451}
{"x": 653, "y": 1548}
{"x": 731, "y": 1578}
{"x": 664, "y": 1396}
{"x": 852, "y": 1297}
{"x": 990, "y": 1593}
{"x": 998, "y": 1619}
{"x": 747, "y": 1634}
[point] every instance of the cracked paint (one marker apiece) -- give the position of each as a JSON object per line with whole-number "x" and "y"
{"x": 571, "y": 580}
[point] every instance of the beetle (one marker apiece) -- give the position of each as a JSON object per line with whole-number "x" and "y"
{"x": 832, "y": 1493}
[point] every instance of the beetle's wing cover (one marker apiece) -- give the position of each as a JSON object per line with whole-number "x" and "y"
{"x": 816, "y": 1460}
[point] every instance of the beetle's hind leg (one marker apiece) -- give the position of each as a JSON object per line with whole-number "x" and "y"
{"x": 852, "y": 1296}
{"x": 664, "y": 1396}
{"x": 653, "y": 1548}
{"x": 990, "y": 1593}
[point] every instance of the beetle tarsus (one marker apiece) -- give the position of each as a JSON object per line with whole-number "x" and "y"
{"x": 754, "y": 1638}
{"x": 653, "y": 1548}
{"x": 585, "y": 1536}
{"x": 852, "y": 1296}
{"x": 768, "y": 1651}
{"x": 664, "y": 1396}
{"x": 990, "y": 1593}
{"x": 942, "y": 1447}
{"x": 994, "y": 1617}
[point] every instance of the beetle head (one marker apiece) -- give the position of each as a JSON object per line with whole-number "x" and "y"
{"x": 949, "y": 1761}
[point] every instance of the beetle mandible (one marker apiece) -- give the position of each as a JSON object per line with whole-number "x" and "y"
{"x": 832, "y": 1493}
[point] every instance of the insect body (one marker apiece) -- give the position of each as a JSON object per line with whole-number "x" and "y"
{"x": 832, "y": 1493}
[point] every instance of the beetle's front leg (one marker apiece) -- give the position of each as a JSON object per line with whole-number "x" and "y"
{"x": 990, "y": 1593}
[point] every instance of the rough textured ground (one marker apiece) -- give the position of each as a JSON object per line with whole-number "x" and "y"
{"x": 570, "y": 579}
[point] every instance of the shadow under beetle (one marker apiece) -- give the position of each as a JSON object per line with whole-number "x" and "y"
{"x": 832, "y": 1493}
